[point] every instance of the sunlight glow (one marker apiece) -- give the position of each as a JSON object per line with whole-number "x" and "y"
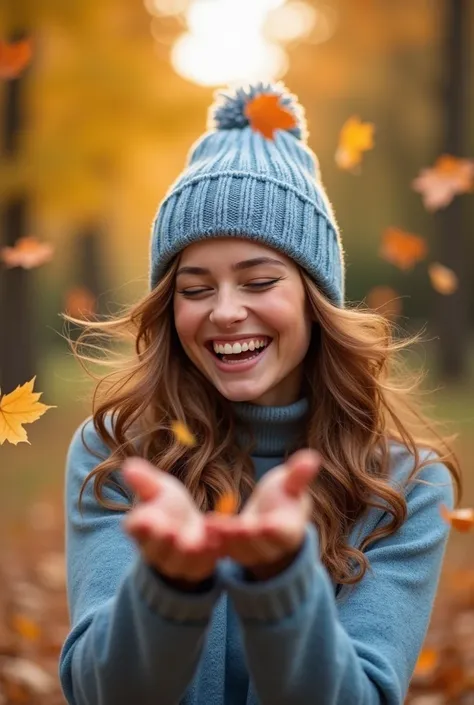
{"x": 226, "y": 43}
{"x": 290, "y": 22}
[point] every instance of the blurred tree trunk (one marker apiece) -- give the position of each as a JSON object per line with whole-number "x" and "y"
{"x": 90, "y": 273}
{"x": 17, "y": 339}
{"x": 452, "y": 312}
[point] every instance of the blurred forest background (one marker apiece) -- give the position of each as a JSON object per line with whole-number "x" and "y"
{"x": 97, "y": 123}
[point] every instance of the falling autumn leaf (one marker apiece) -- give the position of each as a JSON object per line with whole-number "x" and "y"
{"x": 449, "y": 177}
{"x": 385, "y": 301}
{"x": 443, "y": 279}
{"x": 27, "y": 628}
{"x": 265, "y": 115}
{"x": 460, "y": 519}
{"x": 14, "y": 58}
{"x": 402, "y": 249}
{"x": 427, "y": 662}
{"x": 27, "y": 252}
{"x": 355, "y": 138}
{"x": 80, "y": 302}
{"x": 182, "y": 434}
{"x": 17, "y": 408}
{"x": 227, "y": 504}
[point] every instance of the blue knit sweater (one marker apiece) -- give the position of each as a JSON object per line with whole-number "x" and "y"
{"x": 292, "y": 640}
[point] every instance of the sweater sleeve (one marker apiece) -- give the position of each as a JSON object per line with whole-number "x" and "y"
{"x": 132, "y": 636}
{"x": 304, "y": 647}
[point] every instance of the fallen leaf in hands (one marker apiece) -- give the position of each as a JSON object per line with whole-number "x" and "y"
{"x": 227, "y": 504}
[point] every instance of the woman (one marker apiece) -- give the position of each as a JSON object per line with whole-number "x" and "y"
{"x": 319, "y": 588}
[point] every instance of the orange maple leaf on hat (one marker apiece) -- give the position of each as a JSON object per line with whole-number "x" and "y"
{"x": 402, "y": 249}
{"x": 265, "y": 115}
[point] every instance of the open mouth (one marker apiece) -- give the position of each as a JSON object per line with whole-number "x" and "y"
{"x": 233, "y": 352}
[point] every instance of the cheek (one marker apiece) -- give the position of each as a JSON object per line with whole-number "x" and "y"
{"x": 186, "y": 320}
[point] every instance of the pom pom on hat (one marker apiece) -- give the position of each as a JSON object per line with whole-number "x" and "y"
{"x": 263, "y": 107}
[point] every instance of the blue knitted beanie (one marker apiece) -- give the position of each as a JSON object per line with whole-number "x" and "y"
{"x": 252, "y": 175}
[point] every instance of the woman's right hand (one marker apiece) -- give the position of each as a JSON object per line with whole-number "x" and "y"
{"x": 168, "y": 526}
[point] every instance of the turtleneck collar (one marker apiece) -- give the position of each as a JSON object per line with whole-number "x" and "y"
{"x": 275, "y": 428}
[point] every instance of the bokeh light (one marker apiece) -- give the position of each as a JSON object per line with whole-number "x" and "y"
{"x": 292, "y": 21}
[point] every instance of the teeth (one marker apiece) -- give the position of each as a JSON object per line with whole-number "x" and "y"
{"x": 236, "y": 348}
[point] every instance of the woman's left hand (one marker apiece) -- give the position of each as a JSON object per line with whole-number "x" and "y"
{"x": 266, "y": 536}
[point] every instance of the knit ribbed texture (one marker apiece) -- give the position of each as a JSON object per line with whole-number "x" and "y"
{"x": 275, "y": 429}
{"x": 238, "y": 183}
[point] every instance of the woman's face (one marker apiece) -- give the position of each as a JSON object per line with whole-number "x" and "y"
{"x": 241, "y": 316}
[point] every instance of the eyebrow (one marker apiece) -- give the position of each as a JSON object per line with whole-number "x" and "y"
{"x": 237, "y": 267}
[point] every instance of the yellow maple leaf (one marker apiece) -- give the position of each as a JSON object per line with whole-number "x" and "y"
{"x": 355, "y": 137}
{"x": 183, "y": 434}
{"x": 265, "y": 115}
{"x": 17, "y": 408}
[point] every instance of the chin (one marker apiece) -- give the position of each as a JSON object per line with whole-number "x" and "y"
{"x": 242, "y": 393}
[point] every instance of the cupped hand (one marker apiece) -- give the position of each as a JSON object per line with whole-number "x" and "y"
{"x": 167, "y": 525}
{"x": 267, "y": 534}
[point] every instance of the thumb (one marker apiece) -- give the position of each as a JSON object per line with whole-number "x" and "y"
{"x": 303, "y": 467}
{"x": 142, "y": 477}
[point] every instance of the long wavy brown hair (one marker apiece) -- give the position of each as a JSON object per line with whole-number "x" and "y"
{"x": 363, "y": 395}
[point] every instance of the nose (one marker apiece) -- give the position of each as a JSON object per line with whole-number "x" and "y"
{"x": 227, "y": 310}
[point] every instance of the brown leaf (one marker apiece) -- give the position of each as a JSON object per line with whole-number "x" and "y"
{"x": 355, "y": 138}
{"x": 443, "y": 279}
{"x": 27, "y": 252}
{"x": 401, "y": 248}
{"x": 265, "y": 115}
{"x": 14, "y": 58}
{"x": 460, "y": 519}
{"x": 449, "y": 177}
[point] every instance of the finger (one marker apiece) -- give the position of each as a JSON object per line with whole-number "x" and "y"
{"x": 142, "y": 477}
{"x": 303, "y": 467}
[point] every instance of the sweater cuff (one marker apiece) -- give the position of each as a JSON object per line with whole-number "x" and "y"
{"x": 276, "y": 598}
{"x": 173, "y": 604}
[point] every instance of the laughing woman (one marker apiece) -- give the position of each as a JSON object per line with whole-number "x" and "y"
{"x": 318, "y": 590}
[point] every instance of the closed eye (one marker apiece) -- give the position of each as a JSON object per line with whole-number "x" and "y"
{"x": 264, "y": 284}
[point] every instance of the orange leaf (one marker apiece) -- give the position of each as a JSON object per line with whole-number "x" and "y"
{"x": 227, "y": 503}
{"x": 265, "y": 115}
{"x": 385, "y": 301}
{"x": 427, "y": 662}
{"x": 449, "y": 177}
{"x": 183, "y": 434}
{"x": 80, "y": 302}
{"x": 26, "y": 627}
{"x": 402, "y": 249}
{"x": 27, "y": 252}
{"x": 17, "y": 408}
{"x": 14, "y": 58}
{"x": 443, "y": 279}
{"x": 460, "y": 519}
{"x": 355, "y": 138}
